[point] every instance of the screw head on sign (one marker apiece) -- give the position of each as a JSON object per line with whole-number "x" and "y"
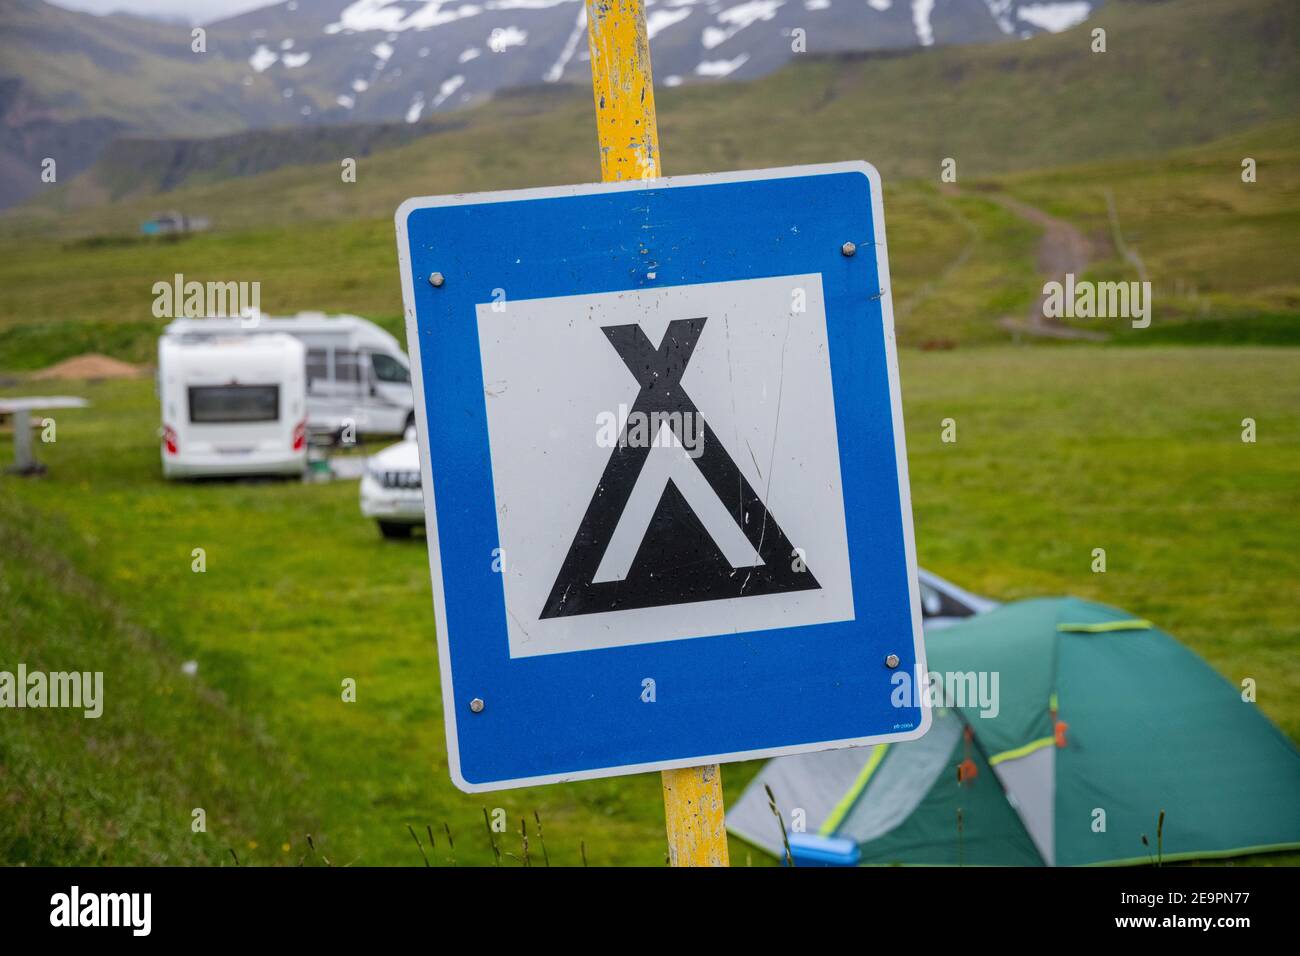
{"x": 436, "y": 280}
{"x": 891, "y": 661}
{"x": 848, "y": 248}
{"x": 476, "y": 705}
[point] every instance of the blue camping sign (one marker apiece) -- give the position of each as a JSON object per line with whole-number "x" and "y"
{"x": 664, "y": 472}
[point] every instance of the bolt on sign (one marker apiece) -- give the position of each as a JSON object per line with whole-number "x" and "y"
{"x": 664, "y": 469}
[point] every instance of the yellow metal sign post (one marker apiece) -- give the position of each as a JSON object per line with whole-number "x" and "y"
{"x": 624, "y": 91}
{"x": 695, "y": 817}
{"x": 629, "y": 149}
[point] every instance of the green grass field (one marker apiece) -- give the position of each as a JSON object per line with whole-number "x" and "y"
{"x": 1059, "y": 451}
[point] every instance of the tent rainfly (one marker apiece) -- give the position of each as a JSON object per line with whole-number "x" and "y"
{"x": 1100, "y": 723}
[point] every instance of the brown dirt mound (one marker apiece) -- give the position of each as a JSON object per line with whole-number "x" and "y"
{"x": 89, "y": 366}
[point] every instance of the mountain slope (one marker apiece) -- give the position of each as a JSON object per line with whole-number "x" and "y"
{"x": 70, "y": 82}
{"x": 385, "y": 59}
{"x": 1176, "y": 74}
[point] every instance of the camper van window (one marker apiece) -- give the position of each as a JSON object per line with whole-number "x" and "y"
{"x": 388, "y": 369}
{"x": 347, "y": 366}
{"x": 318, "y": 365}
{"x": 234, "y": 403}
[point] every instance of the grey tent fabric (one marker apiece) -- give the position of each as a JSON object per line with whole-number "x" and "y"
{"x": 813, "y": 782}
{"x": 901, "y": 782}
{"x": 1030, "y": 783}
{"x": 816, "y": 783}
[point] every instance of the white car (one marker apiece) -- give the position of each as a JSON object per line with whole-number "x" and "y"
{"x": 390, "y": 488}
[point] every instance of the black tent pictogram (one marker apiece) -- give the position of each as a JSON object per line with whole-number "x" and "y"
{"x": 677, "y": 562}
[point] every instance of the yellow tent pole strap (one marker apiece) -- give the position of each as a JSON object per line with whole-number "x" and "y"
{"x": 1024, "y": 751}
{"x": 1130, "y": 624}
{"x": 849, "y": 799}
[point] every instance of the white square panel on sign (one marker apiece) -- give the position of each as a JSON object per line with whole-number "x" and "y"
{"x": 757, "y": 469}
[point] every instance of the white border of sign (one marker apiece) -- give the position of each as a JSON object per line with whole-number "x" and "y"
{"x": 426, "y": 476}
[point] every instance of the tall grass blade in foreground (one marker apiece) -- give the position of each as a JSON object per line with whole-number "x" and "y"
{"x": 785, "y": 837}
{"x": 411, "y": 830}
{"x": 496, "y": 851}
{"x": 961, "y": 833}
{"x": 1160, "y": 839}
{"x": 546, "y": 857}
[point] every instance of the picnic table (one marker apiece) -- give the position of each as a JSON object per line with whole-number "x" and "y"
{"x": 25, "y": 462}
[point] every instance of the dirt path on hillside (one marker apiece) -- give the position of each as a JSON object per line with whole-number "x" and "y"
{"x": 1062, "y": 248}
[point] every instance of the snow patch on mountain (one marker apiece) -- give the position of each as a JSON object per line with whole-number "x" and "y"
{"x": 999, "y": 10}
{"x": 367, "y": 15}
{"x": 736, "y": 19}
{"x": 448, "y": 87}
{"x": 657, "y": 21}
{"x": 556, "y": 71}
{"x": 750, "y": 13}
{"x": 397, "y": 16}
{"x": 921, "y": 10}
{"x": 415, "y": 109}
{"x": 1055, "y": 17}
{"x": 503, "y": 38}
{"x": 527, "y": 4}
{"x": 721, "y": 68}
{"x": 263, "y": 58}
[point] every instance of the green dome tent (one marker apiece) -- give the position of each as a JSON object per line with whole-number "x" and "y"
{"x": 1062, "y": 730}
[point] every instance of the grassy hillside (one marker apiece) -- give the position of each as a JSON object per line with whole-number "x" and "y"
{"x": 1175, "y": 73}
{"x": 78, "y": 296}
{"x": 1219, "y": 252}
{"x": 138, "y": 72}
{"x": 1059, "y": 451}
{"x": 960, "y": 261}
{"x": 122, "y": 788}
{"x": 70, "y": 82}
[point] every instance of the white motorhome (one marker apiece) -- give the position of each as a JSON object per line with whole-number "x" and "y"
{"x": 358, "y": 377}
{"x": 233, "y": 405}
